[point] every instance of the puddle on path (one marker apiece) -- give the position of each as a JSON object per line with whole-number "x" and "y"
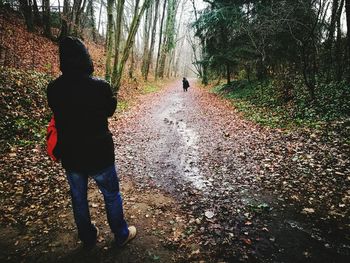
{"x": 173, "y": 116}
{"x": 188, "y": 142}
{"x": 189, "y": 162}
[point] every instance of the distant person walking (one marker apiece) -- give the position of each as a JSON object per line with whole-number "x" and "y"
{"x": 185, "y": 84}
{"x": 81, "y": 105}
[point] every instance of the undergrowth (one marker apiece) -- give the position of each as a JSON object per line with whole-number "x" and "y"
{"x": 122, "y": 105}
{"x": 266, "y": 104}
{"x": 23, "y": 108}
{"x": 150, "y": 88}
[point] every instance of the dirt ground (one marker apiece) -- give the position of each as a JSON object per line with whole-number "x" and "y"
{"x": 199, "y": 182}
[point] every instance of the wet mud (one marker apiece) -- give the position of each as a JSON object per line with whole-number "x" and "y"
{"x": 195, "y": 148}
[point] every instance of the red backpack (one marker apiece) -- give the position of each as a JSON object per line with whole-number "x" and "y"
{"x": 51, "y": 139}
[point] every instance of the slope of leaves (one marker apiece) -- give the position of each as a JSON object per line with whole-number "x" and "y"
{"x": 23, "y": 49}
{"x": 23, "y": 107}
{"x": 31, "y": 51}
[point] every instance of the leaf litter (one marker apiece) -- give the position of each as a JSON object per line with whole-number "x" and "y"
{"x": 259, "y": 189}
{"x": 253, "y": 180}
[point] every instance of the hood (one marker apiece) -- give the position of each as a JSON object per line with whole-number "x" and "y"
{"x": 74, "y": 57}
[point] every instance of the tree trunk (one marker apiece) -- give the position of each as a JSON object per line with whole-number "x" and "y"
{"x": 91, "y": 19}
{"x": 174, "y": 57}
{"x": 168, "y": 37}
{"x": 338, "y": 47}
{"x": 26, "y": 8}
{"x": 132, "y": 64}
{"x": 147, "y": 30}
{"x": 75, "y": 16}
{"x": 37, "y": 17}
{"x": 160, "y": 40}
{"x": 120, "y": 11}
{"x": 72, "y": 15}
{"x": 77, "y": 21}
{"x": 330, "y": 38}
{"x": 65, "y": 16}
{"x": 228, "y": 73}
{"x": 170, "y": 61}
{"x": 308, "y": 73}
{"x": 261, "y": 71}
{"x": 47, "y": 18}
{"x": 129, "y": 44}
{"x": 333, "y": 21}
{"x": 153, "y": 40}
{"x": 205, "y": 80}
{"x": 347, "y": 7}
{"x": 109, "y": 38}
{"x": 99, "y": 18}
{"x": 203, "y": 65}
{"x": 177, "y": 57}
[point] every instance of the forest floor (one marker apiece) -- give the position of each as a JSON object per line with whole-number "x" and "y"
{"x": 199, "y": 182}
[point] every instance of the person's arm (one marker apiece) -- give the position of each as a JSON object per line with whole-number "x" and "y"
{"x": 111, "y": 100}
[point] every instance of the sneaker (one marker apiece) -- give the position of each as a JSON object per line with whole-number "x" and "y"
{"x": 132, "y": 235}
{"x": 89, "y": 246}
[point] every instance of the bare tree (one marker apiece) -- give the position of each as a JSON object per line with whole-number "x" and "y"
{"x": 146, "y": 39}
{"x": 47, "y": 18}
{"x": 118, "y": 68}
{"x": 347, "y": 8}
{"x": 65, "y": 20}
{"x": 153, "y": 40}
{"x": 160, "y": 39}
{"x": 168, "y": 41}
{"x": 109, "y": 38}
{"x": 26, "y": 8}
{"x": 37, "y": 17}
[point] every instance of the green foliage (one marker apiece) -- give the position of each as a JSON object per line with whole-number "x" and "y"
{"x": 219, "y": 26}
{"x": 242, "y": 75}
{"x": 260, "y": 102}
{"x": 23, "y": 107}
{"x": 150, "y": 88}
{"x": 276, "y": 40}
{"x": 333, "y": 100}
{"x": 122, "y": 105}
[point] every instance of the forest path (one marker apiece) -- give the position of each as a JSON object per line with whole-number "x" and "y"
{"x": 240, "y": 191}
{"x": 199, "y": 182}
{"x": 176, "y": 136}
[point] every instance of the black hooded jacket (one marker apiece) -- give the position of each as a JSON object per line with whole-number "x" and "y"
{"x": 185, "y": 83}
{"x": 81, "y": 105}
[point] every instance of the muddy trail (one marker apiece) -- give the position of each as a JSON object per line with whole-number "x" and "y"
{"x": 199, "y": 182}
{"x": 246, "y": 193}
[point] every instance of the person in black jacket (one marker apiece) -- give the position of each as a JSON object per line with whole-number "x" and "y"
{"x": 81, "y": 105}
{"x": 185, "y": 84}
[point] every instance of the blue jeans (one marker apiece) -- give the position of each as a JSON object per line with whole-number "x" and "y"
{"x": 108, "y": 183}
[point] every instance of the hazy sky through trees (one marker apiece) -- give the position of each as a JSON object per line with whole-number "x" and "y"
{"x": 199, "y": 3}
